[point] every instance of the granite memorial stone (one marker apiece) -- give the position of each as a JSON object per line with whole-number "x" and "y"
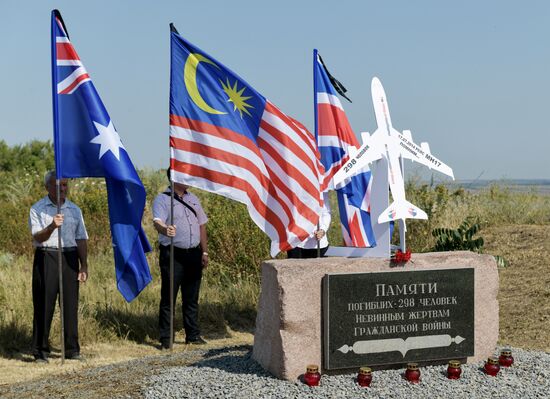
{"x": 289, "y": 325}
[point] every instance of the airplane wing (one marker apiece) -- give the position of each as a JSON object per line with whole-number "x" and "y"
{"x": 367, "y": 153}
{"x": 421, "y": 154}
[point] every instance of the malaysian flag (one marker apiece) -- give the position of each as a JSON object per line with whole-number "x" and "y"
{"x": 86, "y": 144}
{"x": 228, "y": 139}
{"x": 334, "y": 136}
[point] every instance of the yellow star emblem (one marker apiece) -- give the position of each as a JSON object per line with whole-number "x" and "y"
{"x": 236, "y": 97}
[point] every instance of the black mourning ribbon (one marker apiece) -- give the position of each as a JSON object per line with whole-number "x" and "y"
{"x": 335, "y": 82}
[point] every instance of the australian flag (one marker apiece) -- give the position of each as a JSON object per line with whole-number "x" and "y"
{"x": 334, "y": 137}
{"x": 87, "y": 145}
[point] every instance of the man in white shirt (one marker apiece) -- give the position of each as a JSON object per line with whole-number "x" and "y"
{"x": 308, "y": 249}
{"x": 188, "y": 230}
{"x": 45, "y": 224}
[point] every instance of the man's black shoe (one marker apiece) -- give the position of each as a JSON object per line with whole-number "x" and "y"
{"x": 195, "y": 341}
{"x": 41, "y": 359}
{"x": 76, "y": 356}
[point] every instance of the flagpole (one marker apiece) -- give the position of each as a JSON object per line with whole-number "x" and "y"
{"x": 315, "y": 130}
{"x": 60, "y": 272}
{"x": 56, "y": 14}
{"x": 171, "y": 265}
{"x": 172, "y": 29}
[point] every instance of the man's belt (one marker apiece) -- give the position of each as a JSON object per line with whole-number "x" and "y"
{"x": 54, "y": 249}
{"x": 178, "y": 249}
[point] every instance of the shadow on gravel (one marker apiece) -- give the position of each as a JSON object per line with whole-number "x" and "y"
{"x": 236, "y": 360}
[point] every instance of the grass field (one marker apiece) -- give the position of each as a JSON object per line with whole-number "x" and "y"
{"x": 524, "y": 313}
{"x": 524, "y": 295}
{"x": 514, "y": 225}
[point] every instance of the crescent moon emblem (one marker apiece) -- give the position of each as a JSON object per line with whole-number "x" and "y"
{"x": 190, "y": 79}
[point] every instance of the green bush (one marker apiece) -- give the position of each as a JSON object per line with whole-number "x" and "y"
{"x": 458, "y": 239}
{"x": 33, "y": 156}
{"x": 234, "y": 241}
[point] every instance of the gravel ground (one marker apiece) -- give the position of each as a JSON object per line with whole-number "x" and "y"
{"x": 231, "y": 373}
{"x": 236, "y": 375}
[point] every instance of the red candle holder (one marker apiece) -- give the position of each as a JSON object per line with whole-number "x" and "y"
{"x": 312, "y": 377}
{"x": 491, "y": 366}
{"x": 505, "y": 359}
{"x": 364, "y": 377}
{"x": 412, "y": 374}
{"x": 454, "y": 370}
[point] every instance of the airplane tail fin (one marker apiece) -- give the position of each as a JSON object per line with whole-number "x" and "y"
{"x": 401, "y": 210}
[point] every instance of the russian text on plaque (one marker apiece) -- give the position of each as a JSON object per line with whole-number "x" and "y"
{"x": 397, "y": 317}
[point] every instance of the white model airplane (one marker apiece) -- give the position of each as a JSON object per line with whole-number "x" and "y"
{"x": 391, "y": 144}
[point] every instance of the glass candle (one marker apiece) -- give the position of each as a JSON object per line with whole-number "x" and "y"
{"x": 364, "y": 377}
{"x": 491, "y": 366}
{"x": 312, "y": 375}
{"x": 412, "y": 374}
{"x": 454, "y": 370}
{"x": 505, "y": 359}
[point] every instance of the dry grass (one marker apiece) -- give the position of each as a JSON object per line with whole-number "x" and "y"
{"x": 524, "y": 310}
{"x": 524, "y": 294}
{"x": 22, "y": 368}
{"x": 112, "y": 330}
{"x": 122, "y": 378}
{"x": 515, "y": 226}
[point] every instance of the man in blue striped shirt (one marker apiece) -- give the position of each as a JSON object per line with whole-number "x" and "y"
{"x": 45, "y": 224}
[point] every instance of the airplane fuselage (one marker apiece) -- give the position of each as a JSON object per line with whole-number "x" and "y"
{"x": 391, "y": 153}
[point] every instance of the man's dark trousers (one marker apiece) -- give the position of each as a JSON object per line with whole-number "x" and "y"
{"x": 187, "y": 275}
{"x": 304, "y": 253}
{"x": 45, "y": 289}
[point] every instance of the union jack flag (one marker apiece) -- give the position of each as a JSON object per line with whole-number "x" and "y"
{"x": 334, "y": 137}
{"x": 74, "y": 74}
{"x": 228, "y": 139}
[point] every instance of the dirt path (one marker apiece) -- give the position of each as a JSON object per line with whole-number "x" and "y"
{"x": 117, "y": 380}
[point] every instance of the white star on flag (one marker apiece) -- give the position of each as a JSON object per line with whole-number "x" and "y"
{"x": 108, "y": 139}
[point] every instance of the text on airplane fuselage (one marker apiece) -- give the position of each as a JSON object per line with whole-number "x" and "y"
{"x": 416, "y": 151}
{"x": 354, "y": 160}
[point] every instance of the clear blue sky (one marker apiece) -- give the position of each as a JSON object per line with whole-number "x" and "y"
{"x": 472, "y": 78}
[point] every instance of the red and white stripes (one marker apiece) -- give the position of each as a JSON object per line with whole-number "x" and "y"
{"x": 277, "y": 177}
{"x": 334, "y": 131}
{"x": 66, "y": 56}
{"x": 335, "y": 136}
